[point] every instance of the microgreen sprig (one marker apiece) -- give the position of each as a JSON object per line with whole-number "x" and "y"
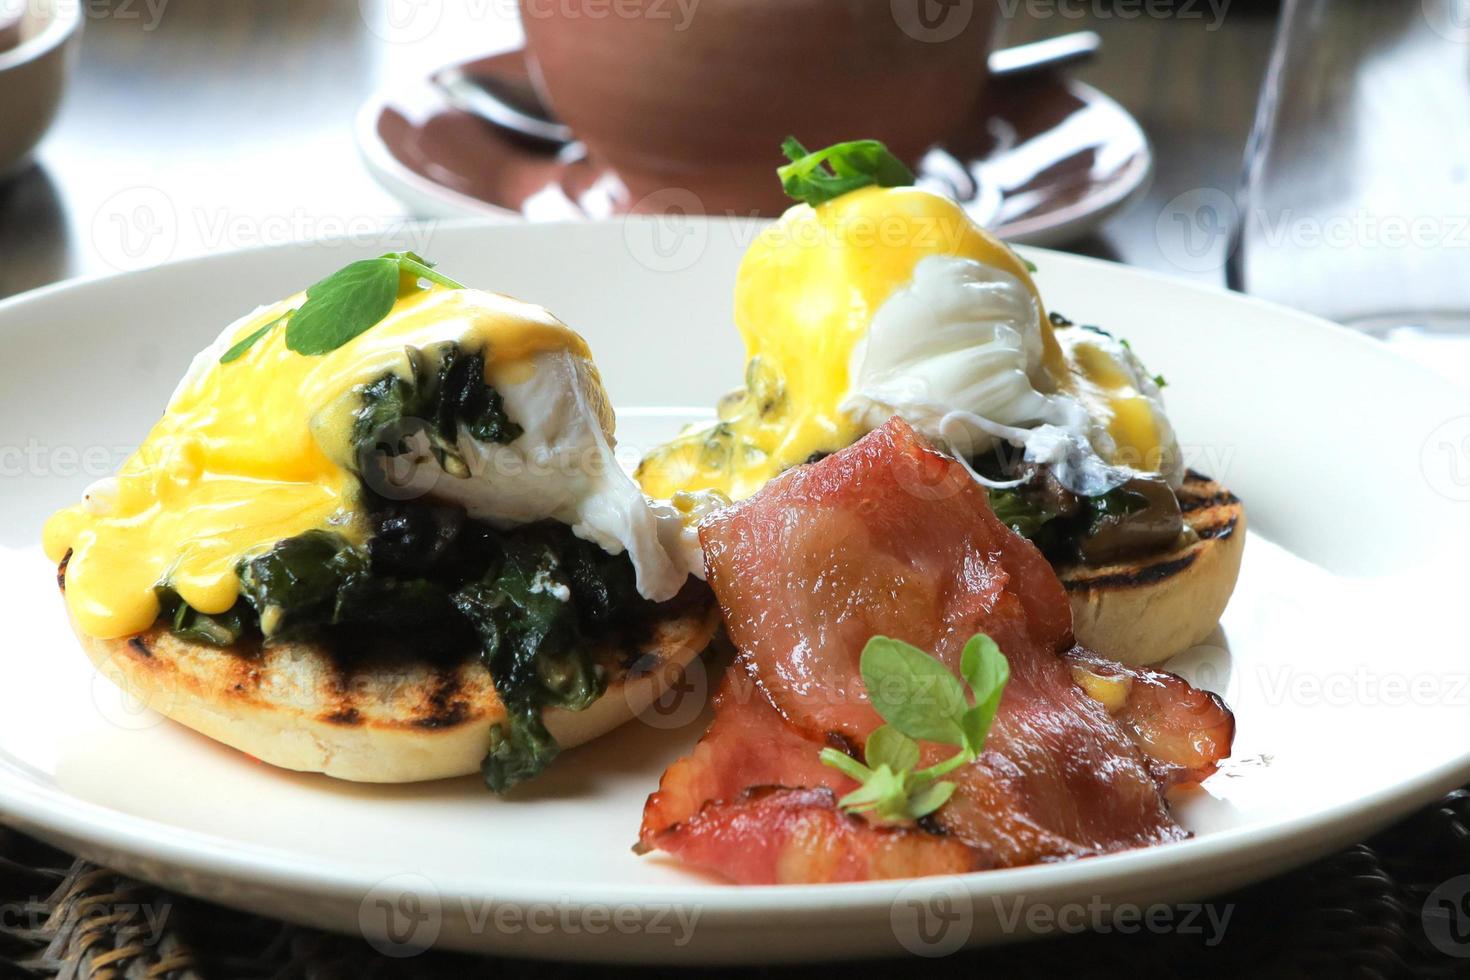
{"x": 350, "y": 301}
{"x": 816, "y": 178}
{"x": 920, "y": 700}
{"x": 238, "y": 351}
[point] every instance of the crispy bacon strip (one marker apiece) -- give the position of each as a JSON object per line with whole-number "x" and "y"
{"x": 892, "y": 537}
{"x": 754, "y": 803}
{"x": 771, "y": 835}
{"x": 1183, "y": 732}
{"x": 748, "y": 744}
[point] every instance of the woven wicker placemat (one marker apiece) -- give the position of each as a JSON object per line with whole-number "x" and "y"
{"x": 1380, "y": 909}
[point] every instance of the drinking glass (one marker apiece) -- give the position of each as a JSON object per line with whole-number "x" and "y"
{"x": 1355, "y": 204}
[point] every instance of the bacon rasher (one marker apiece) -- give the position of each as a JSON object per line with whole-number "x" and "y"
{"x": 892, "y": 537}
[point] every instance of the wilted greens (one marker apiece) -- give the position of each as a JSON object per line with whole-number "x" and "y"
{"x": 532, "y": 602}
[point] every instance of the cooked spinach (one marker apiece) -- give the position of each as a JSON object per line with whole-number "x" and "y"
{"x": 445, "y": 394}
{"x": 186, "y": 622}
{"x": 417, "y": 539}
{"x": 317, "y": 586}
{"x": 519, "y": 750}
{"x": 531, "y": 617}
{"x": 1020, "y": 511}
{"x": 532, "y": 602}
{"x": 1141, "y": 515}
{"x": 296, "y": 587}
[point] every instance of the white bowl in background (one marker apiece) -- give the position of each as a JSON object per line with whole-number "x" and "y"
{"x": 33, "y": 74}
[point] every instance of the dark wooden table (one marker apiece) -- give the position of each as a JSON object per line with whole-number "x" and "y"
{"x": 201, "y": 125}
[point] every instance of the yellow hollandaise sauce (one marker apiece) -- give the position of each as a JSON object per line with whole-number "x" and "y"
{"x": 1112, "y": 396}
{"x": 805, "y": 296}
{"x": 258, "y": 449}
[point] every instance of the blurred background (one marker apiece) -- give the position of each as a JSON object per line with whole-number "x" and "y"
{"x": 198, "y": 125}
{"x": 1311, "y": 152}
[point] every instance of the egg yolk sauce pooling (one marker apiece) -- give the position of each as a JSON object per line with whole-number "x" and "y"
{"x": 873, "y": 299}
{"x": 387, "y": 460}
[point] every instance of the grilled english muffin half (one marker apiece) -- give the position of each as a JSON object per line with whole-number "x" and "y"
{"x": 381, "y": 532}
{"x": 304, "y": 707}
{"x": 1146, "y": 610}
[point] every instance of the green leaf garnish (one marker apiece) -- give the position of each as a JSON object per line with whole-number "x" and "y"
{"x": 846, "y": 764}
{"x": 355, "y": 299}
{"x": 816, "y": 178}
{"x": 884, "y": 793}
{"x": 930, "y": 798}
{"x": 238, "y": 351}
{"x": 415, "y": 264}
{"x": 985, "y": 668}
{"x": 919, "y": 699}
{"x": 914, "y": 693}
{"x": 349, "y": 302}
{"x": 887, "y": 746}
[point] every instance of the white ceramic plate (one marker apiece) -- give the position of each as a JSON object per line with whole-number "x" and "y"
{"x": 1343, "y": 652}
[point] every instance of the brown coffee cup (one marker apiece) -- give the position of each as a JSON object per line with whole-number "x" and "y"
{"x": 693, "y": 97}
{"x": 9, "y": 29}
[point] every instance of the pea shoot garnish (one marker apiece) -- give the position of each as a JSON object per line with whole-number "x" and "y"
{"x": 815, "y": 178}
{"x": 920, "y": 700}
{"x": 350, "y": 301}
{"x": 238, "y": 351}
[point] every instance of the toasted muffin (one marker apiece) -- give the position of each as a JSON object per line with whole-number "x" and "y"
{"x": 301, "y": 706}
{"x": 384, "y": 487}
{"x": 1149, "y": 609}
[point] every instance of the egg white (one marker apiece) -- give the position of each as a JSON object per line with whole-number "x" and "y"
{"x": 562, "y": 467}
{"x": 957, "y": 353}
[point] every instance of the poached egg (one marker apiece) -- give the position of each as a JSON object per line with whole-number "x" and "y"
{"x": 259, "y": 449}
{"x": 892, "y": 301}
